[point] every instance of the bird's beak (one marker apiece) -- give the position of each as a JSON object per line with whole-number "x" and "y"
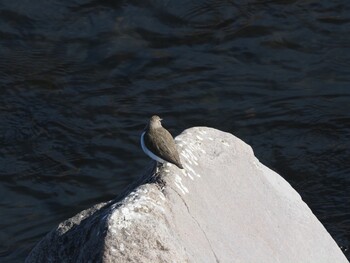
{"x": 161, "y": 119}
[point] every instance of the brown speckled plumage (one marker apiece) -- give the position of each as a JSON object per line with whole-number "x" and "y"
{"x": 160, "y": 142}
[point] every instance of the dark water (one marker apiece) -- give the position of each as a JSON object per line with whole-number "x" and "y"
{"x": 79, "y": 79}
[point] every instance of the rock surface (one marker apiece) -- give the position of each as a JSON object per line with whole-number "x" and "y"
{"x": 225, "y": 206}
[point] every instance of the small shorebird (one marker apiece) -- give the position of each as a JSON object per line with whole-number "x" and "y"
{"x": 158, "y": 143}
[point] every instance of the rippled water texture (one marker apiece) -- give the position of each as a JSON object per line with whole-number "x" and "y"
{"x": 79, "y": 79}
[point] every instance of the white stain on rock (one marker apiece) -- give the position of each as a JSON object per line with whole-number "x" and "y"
{"x": 187, "y": 174}
{"x": 190, "y": 159}
{"x": 134, "y": 209}
{"x": 179, "y": 184}
{"x": 121, "y": 247}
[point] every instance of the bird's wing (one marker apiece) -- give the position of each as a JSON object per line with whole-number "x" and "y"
{"x": 166, "y": 146}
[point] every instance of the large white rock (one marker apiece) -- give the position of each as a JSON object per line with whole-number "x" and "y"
{"x": 225, "y": 206}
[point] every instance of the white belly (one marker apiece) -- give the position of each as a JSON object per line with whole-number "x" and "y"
{"x": 148, "y": 152}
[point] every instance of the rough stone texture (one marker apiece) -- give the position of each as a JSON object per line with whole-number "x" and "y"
{"x": 225, "y": 206}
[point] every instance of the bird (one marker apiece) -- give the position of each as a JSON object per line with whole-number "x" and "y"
{"x": 159, "y": 144}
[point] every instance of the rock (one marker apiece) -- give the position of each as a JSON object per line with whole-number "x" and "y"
{"x": 225, "y": 206}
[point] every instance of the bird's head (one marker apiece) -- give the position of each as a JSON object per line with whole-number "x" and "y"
{"x": 155, "y": 122}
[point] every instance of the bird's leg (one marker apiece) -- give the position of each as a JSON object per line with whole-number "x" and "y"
{"x": 157, "y": 167}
